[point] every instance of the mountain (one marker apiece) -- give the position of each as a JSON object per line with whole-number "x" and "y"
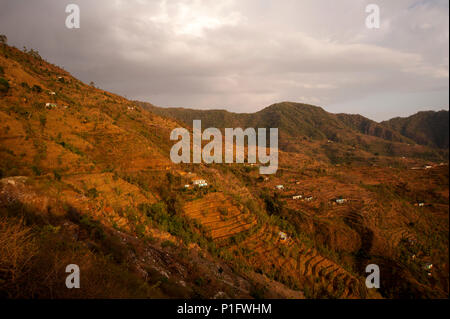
{"x": 86, "y": 179}
{"x": 426, "y": 128}
{"x": 292, "y": 119}
{"x": 297, "y": 122}
{"x": 369, "y": 127}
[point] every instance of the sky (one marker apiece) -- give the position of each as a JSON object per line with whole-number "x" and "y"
{"x": 244, "y": 55}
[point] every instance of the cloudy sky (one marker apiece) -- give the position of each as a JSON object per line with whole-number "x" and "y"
{"x": 243, "y": 55}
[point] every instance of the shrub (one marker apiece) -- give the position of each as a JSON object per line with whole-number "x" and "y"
{"x": 36, "y": 170}
{"x": 57, "y": 175}
{"x": 4, "y": 85}
{"x": 36, "y": 88}
{"x": 42, "y": 120}
{"x": 92, "y": 192}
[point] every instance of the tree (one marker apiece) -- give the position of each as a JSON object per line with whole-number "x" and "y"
{"x": 3, "y": 39}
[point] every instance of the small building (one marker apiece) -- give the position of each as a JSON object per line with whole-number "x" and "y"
{"x": 131, "y": 108}
{"x": 200, "y": 183}
{"x": 309, "y": 198}
{"x": 187, "y": 186}
{"x": 50, "y": 105}
{"x": 420, "y": 204}
{"x": 52, "y": 93}
{"x": 297, "y": 197}
{"x": 428, "y": 166}
{"x": 341, "y": 201}
{"x": 428, "y": 266}
{"x": 283, "y": 235}
{"x": 279, "y": 187}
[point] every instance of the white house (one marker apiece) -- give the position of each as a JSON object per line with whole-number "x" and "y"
{"x": 187, "y": 186}
{"x": 428, "y": 266}
{"x": 50, "y": 105}
{"x": 52, "y": 93}
{"x": 341, "y": 200}
{"x": 297, "y": 197}
{"x": 279, "y": 187}
{"x": 200, "y": 183}
{"x": 283, "y": 236}
{"x": 309, "y": 198}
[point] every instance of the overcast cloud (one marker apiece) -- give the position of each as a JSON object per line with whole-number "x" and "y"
{"x": 243, "y": 55}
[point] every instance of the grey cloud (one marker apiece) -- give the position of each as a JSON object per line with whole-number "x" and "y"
{"x": 245, "y": 55}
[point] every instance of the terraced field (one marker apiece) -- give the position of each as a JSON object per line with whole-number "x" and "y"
{"x": 216, "y": 212}
{"x": 298, "y": 263}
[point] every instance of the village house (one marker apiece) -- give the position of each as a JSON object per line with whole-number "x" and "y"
{"x": 309, "y": 198}
{"x": 52, "y": 93}
{"x": 341, "y": 200}
{"x": 279, "y": 187}
{"x": 50, "y": 105}
{"x": 428, "y": 266}
{"x": 283, "y": 236}
{"x": 297, "y": 197}
{"x": 187, "y": 186}
{"x": 420, "y": 204}
{"x": 200, "y": 183}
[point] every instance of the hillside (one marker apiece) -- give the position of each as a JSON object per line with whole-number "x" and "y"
{"x": 425, "y": 128}
{"x": 299, "y": 122}
{"x": 366, "y": 126}
{"x": 86, "y": 179}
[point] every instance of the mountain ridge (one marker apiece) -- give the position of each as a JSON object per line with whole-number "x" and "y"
{"x": 297, "y": 121}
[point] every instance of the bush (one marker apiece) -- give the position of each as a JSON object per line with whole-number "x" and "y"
{"x": 57, "y": 175}
{"x": 36, "y": 88}
{"x": 92, "y": 192}
{"x": 4, "y": 86}
{"x": 42, "y": 120}
{"x": 36, "y": 170}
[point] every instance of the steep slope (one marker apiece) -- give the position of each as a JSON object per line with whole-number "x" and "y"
{"x": 426, "y": 128}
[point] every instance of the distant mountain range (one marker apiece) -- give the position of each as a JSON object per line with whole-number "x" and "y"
{"x": 426, "y": 128}
{"x": 296, "y": 120}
